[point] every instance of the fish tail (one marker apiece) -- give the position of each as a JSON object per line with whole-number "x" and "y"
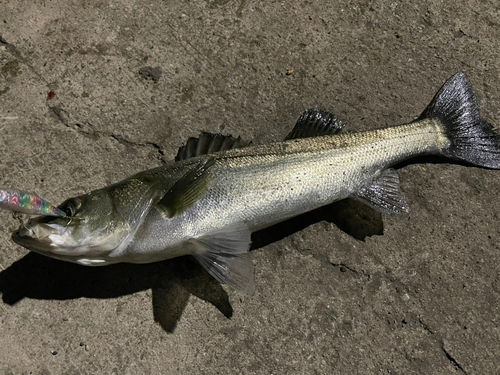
{"x": 471, "y": 139}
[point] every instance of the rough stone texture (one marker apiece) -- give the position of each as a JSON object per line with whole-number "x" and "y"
{"x": 421, "y": 296}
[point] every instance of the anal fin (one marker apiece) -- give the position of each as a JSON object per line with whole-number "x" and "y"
{"x": 224, "y": 254}
{"x": 383, "y": 193}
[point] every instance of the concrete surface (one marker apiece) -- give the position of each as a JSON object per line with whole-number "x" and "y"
{"x": 93, "y": 91}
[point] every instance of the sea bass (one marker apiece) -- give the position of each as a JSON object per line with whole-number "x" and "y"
{"x": 208, "y": 203}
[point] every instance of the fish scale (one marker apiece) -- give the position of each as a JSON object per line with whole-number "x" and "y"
{"x": 271, "y": 183}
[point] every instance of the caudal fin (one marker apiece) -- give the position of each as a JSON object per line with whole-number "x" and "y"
{"x": 472, "y": 139}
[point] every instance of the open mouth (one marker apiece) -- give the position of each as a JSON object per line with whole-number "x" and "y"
{"x": 24, "y": 237}
{"x": 43, "y": 236}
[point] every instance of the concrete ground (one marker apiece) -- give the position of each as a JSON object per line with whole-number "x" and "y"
{"x": 92, "y": 92}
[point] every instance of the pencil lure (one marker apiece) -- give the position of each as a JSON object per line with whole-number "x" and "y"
{"x": 27, "y": 203}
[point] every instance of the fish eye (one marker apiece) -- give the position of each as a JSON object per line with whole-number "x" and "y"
{"x": 70, "y": 207}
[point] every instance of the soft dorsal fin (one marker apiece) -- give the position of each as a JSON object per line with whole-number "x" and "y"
{"x": 224, "y": 254}
{"x": 383, "y": 193}
{"x": 311, "y": 123}
{"x": 187, "y": 190}
{"x": 208, "y": 143}
{"x": 314, "y": 123}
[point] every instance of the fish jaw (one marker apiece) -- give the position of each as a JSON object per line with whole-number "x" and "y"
{"x": 42, "y": 237}
{"x": 97, "y": 224}
{"x": 63, "y": 241}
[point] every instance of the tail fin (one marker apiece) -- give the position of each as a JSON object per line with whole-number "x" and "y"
{"x": 471, "y": 138}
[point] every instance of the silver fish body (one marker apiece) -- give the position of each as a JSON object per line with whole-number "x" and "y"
{"x": 264, "y": 185}
{"x": 207, "y": 205}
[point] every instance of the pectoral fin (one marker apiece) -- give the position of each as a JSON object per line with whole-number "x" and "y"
{"x": 383, "y": 193}
{"x": 224, "y": 254}
{"x": 187, "y": 190}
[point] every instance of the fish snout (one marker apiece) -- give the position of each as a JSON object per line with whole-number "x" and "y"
{"x": 38, "y": 237}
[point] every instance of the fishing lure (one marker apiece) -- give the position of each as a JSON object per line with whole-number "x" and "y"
{"x": 27, "y": 203}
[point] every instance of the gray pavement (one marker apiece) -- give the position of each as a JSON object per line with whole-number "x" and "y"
{"x": 92, "y": 92}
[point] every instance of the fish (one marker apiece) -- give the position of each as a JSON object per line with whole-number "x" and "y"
{"x": 219, "y": 190}
{"x": 17, "y": 200}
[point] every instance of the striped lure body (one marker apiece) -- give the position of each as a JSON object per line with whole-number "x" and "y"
{"x": 27, "y": 203}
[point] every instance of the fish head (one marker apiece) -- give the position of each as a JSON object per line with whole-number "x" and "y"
{"x": 92, "y": 229}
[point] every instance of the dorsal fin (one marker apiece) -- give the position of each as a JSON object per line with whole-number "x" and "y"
{"x": 208, "y": 143}
{"x": 314, "y": 123}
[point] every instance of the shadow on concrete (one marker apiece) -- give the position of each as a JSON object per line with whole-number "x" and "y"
{"x": 353, "y": 217}
{"x": 171, "y": 281}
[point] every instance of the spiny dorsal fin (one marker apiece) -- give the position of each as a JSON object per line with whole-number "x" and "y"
{"x": 314, "y": 123}
{"x": 224, "y": 254}
{"x": 383, "y": 193}
{"x": 187, "y": 190}
{"x": 208, "y": 143}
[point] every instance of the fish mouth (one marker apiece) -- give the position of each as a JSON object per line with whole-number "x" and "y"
{"x": 57, "y": 240}
{"x": 23, "y": 237}
{"x": 43, "y": 237}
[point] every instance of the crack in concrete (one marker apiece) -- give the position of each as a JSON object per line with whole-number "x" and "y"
{"x": 125, "y": 141}
{"x": 451, "y": 359}
{"x": 60, "y": 114}
{"x": 441, "y": 342}
{"x": 344, "y": 267}
{"x": 436, "y": 336}
{"x": 425, "y": 326}
{"x": 12, "y": 49}
{"x": 63, "y": 116}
